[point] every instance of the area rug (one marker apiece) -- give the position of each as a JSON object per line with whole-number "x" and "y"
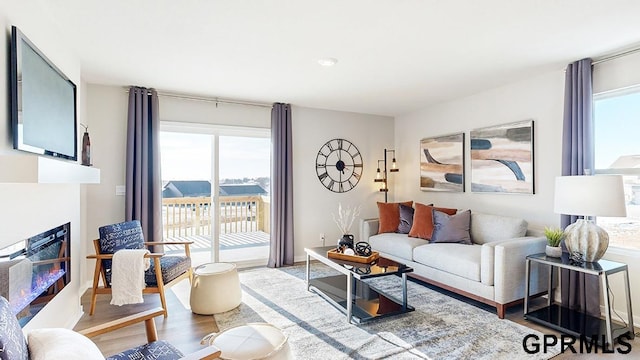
{"x": 441, "y": 327}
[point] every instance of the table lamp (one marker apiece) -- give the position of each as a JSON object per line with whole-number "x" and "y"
{"x": 588, "y": 196}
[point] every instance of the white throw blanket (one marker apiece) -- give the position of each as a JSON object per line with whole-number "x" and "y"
{"x": 127, "y": 276}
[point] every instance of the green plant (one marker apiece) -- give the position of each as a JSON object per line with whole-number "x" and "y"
{"x": 554, "y": 236}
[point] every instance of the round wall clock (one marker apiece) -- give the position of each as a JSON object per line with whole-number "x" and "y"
{"x": 339, "y": 165}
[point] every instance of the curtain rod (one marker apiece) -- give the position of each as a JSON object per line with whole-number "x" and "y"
{"x": 209, "y": 99}
{"x": 215, "y": 100}
{"x": 615, "y": 56}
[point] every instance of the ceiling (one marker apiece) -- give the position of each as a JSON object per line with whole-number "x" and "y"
{"x": 394, "y": 56}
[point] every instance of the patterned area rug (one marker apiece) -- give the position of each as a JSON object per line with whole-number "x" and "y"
{"x": 440, "y": 328}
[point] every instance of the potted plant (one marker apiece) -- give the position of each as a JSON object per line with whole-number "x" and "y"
{"x": 554, "y": 237}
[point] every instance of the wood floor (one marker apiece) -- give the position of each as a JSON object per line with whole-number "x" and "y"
{"x": 182, "y": 328}
{"x": 185, "y": 329}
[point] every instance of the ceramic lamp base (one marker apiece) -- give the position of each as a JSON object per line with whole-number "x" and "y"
{"x": 586, "y": 241}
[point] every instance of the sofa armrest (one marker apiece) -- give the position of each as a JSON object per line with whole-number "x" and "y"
{"x": 509, "y": 268}
{"x": 368, "y": 228}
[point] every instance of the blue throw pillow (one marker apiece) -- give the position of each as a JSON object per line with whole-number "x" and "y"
{"x": 406, "y": 219}
{"x": 451, "y": 228}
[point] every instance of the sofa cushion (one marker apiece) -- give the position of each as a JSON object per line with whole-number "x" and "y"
{"x": 458, "y": 259}
{"x": 389, "y": 214}
{"x": 451, "y": 228}
{"x": 399, "y": 245}
{"x": 487, "y": 227}
{"x": 423, "y": 220}
{"x": 406, "y": 219}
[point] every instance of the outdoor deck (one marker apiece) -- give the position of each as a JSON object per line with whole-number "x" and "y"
{"x": 227, "y": 241}
{"x": 251, "y": 248}
{"x": 243, "y": 223}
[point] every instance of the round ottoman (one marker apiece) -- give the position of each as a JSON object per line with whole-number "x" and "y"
{"x": 215, "y": 288}
{"x": 251, "y": 342}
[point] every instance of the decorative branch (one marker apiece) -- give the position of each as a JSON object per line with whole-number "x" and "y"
{"x": 346, "y": 217}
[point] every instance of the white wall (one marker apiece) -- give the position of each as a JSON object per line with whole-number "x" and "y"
{"x": 28, "y": 209}
{"x": 539, "y": 98}
{"x": 107, "y": 109}
{"x": 313, "y": 203}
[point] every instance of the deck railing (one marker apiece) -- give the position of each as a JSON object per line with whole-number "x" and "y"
{"x": 193, "y": 215}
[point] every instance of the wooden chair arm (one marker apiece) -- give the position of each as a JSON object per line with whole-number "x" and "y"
{"x": 168, "y": 243}
{"x": 208, "y": 353}
{"x": 146, "y": 316}
{"x": 110, "y": 256}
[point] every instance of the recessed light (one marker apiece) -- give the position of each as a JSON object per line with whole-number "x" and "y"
{"x": 327, "y": 61}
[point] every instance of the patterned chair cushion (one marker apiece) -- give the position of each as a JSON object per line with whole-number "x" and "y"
{"x": 13, "y": 345}
{"x": 124, "y": 235}
{"x": 157, "y": 350}
{"x": 172, "y": 267}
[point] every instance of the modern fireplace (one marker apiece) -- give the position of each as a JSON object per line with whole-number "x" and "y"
{"x": 34, "y": 270}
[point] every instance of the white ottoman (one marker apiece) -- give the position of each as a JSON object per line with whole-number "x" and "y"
{"x": 251, "y": 342}
{"x": 215, "y": 288}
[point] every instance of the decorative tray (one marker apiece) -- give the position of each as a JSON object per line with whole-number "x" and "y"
{"x": 334, "y": 254}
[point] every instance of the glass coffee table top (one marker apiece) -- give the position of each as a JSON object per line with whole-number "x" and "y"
{"x": 380, "y": 267}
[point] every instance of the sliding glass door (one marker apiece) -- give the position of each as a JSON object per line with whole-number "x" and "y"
{"x": 216, "y": 191}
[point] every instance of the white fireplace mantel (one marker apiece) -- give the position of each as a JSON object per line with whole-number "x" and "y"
{"x": 45, "y": 170}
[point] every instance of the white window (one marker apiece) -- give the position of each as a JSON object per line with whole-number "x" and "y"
{"x": 617, "y": 151}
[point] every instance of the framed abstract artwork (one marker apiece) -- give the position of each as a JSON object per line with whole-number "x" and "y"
{"x": 442, "y": 163}
{"x": 502, "y": 158}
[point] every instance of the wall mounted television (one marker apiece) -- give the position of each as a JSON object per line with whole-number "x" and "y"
{"x": 43, "y": 102}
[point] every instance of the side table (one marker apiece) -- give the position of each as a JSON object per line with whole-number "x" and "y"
{"x": 575, "y": 322}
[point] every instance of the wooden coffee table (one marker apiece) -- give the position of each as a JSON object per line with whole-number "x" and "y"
{"x": 357, "y": 299}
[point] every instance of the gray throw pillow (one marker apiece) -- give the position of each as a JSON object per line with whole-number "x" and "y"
{"x": 406, "y": 219}
{"x": 451, "y": 228}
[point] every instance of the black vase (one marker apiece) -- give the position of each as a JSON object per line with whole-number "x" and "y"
{"x": 86, "y": 149}
{"x": 346, "y": 241}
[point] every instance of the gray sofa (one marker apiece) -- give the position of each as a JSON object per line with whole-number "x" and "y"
{"x": 491, "y": 270}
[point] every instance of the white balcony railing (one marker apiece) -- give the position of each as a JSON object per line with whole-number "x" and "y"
{"x": 189, "y": 216}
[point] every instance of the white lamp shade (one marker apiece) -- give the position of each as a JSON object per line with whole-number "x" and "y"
{"x": 599, "y": 195}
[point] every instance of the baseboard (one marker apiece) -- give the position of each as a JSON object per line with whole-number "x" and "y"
{"x": 71, "y": 323}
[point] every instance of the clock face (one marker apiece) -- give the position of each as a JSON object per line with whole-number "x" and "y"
{"x": 339, "y": 165}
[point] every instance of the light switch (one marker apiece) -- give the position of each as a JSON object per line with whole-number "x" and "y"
{"x": 120, "y": 190}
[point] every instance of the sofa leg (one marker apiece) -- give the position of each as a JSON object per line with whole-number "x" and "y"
{"x": 501, "y": 310}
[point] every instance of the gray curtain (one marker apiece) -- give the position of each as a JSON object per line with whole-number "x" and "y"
{"x": 144, "y": 184}
{"x": 281, "y": 251}
{"x": 579, "y": 291}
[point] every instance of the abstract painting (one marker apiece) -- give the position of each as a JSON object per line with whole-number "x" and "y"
{"x": 442, "y": 163}
{"x": 502, "y": 158}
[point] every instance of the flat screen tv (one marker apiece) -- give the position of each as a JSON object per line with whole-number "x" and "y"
{"x": 43, "y": 103}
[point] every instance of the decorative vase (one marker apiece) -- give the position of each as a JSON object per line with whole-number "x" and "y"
{"x": 553, "y": 251}
{"x": 346, "y": 241}
{"x": 586, "y": 241}
{"x": 86, "y": 149}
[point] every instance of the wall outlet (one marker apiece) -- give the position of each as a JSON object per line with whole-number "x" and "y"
{"x": 322, "y": 238}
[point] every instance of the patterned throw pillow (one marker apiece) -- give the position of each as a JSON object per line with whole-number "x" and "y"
{"x": 124, "y": 235}
{"x": 13, "y": 345}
